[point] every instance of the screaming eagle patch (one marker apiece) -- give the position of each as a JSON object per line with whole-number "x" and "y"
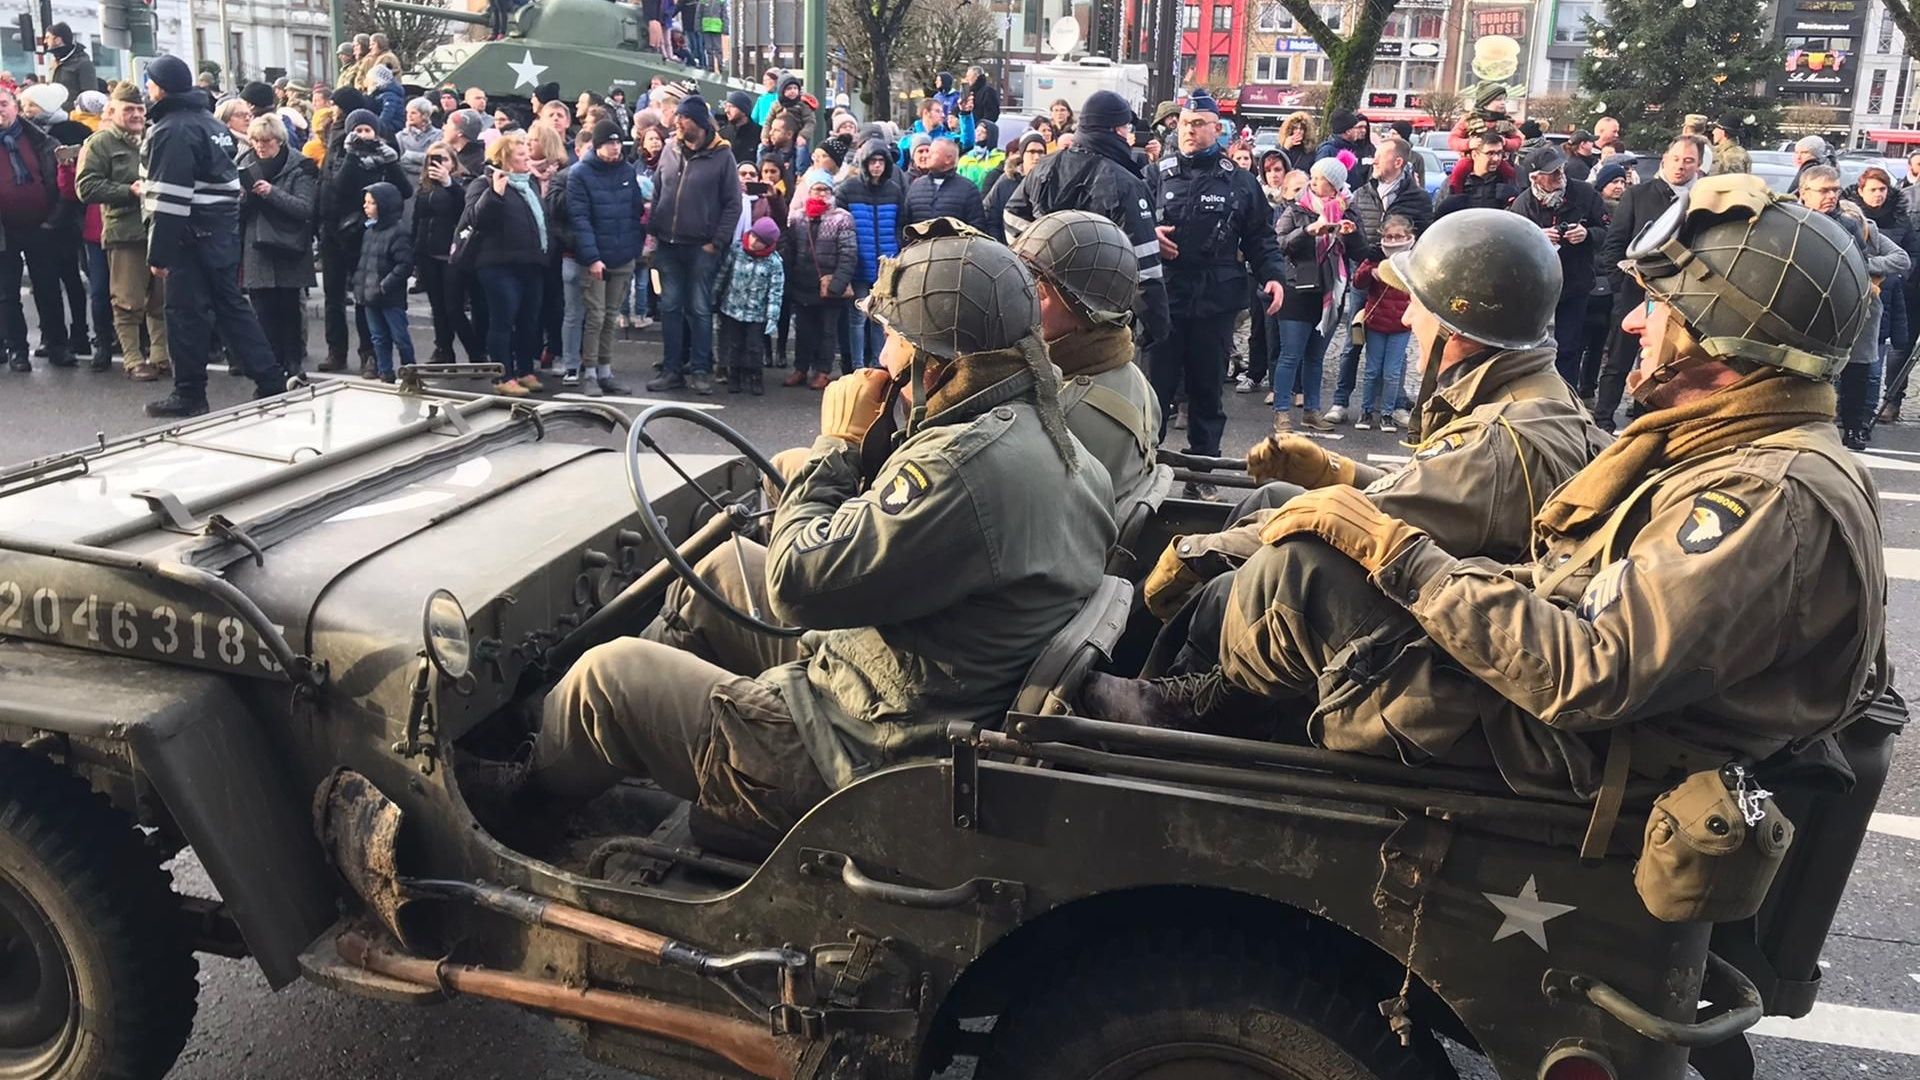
{"x": 904, "y": 489}
{"x": 1715, "y": 516}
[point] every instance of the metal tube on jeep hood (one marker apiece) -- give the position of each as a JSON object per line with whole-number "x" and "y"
{"x": 749, "y": 1046}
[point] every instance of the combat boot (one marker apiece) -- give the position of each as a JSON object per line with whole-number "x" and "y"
{"x": 336, "y": 360}
{"x": 1203, "y": 702}
{"x": 58, "y": 356}
{"x": 175, "y": 405}
{"x": 755, "y": 383}
{"x": 17, "y": 360}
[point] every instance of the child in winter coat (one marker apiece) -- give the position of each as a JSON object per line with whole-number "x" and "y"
{"x": 750, "y": 288}
{"x": 380, "y": 278}
{"x": 822, "y": 256}
{"x": 1387, "y": 335}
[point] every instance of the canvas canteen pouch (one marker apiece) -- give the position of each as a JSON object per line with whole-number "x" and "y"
{"x": 1712, "y": 848}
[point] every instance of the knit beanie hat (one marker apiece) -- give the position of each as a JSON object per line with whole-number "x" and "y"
{"x": 347, "y": 99}
{"x": 92, "y": 102}
{"x": 604, "y": 132}
{"x": 812, "y": 177}
{"x": 741, "y": 100}
{"x": 1105, "y": 111}
{"x": 1032, "y": 138}
{"x": 260, "y": 96}
{"x": 1608, "y": 173}
{"x": 837, "y": 148}
{"x": 362, "y": 116}
{"x": 170, "y": 73}
{"x": 694, "y": 107}
{"x": 767, "y": 229}
{"x": 1343, "y": 121}
{"x": 1331, "y": 171}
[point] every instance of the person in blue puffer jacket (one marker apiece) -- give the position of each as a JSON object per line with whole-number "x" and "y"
{"x": 605, "y": 200}
{"x": 876, "y": 196}
{"x": 387, "y": 99}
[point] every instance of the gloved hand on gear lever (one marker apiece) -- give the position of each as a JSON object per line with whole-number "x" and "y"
{"x": 1296, "y": 459}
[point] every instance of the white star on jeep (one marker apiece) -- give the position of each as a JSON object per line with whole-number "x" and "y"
{"x": 526, "y": 72}
{"x": 1526, "y": 913}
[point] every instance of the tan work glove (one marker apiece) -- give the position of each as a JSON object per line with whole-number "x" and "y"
{"x": 1296, "y": 459}
{"x": 852, "y": 403}
{"x": 1170, "y": 582}
{"x": 787, "y": 463}
{"x": 1348, "y": 520}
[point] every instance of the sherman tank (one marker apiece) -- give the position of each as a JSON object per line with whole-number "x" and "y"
{"x": 580, "y": 44}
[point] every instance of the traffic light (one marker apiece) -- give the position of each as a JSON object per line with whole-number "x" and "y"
{"x": 113, "y": 24}
{"x": 129, "y": 25}
{"x": 29, "y": 41}
{"x": 143, "y": 25}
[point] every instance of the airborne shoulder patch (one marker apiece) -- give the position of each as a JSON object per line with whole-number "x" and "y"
{"x": 1446, "y": 444}
{"x": 1715, "y": 515}
{"x": 904, "y": 488}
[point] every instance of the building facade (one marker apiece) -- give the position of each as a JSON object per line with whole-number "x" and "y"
{"x": 249, "y": 39}
{"x": 1284, "y": 69}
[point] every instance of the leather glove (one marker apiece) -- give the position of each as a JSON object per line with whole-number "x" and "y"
{"x": 1296, "y": 459}
{"x": 1348, "y": 520}
{"x": 1170, "y": 582}
{"x": 851, "y": 403}
{"x": 787, "y": 463}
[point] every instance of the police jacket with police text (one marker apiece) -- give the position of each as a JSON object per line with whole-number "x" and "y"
{"x": 931, "y": 592}
{"x": 1223, "y": 227}
{"x": 1098, "y": 177}
{"x": 190, "y": 188}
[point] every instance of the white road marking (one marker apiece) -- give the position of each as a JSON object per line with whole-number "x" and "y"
{"x": 1902, "y": 825}
{"x": 1390, "y": 459}
{"x": 1902, "y": 453}
{"x": 1903, "y": 563}
{"x": 1898, "y": 496}
{"x": 615, "y": 399}
{"x": 1886, "y": 464}
{"x": 1880, "y": 1030}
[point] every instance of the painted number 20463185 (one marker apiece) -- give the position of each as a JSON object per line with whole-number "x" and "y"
{"x": 155, "y": 630}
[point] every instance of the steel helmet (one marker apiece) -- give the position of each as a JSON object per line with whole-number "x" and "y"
{"x": 1487, "y": 275}
{"x": 954, "y": 290}
{"x": 1754, "y": 277}
{"x": 1088, "y": 260}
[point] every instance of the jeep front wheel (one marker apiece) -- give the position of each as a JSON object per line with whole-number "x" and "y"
{"x": 96, "y": 970}
{"x": 1195, "y": 1011}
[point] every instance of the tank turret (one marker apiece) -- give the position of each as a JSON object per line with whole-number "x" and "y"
{"x": 582, "y": 45}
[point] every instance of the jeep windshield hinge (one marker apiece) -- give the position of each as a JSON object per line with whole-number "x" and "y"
{"x": 219, "y": 525}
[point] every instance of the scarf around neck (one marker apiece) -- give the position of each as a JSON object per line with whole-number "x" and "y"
{"x": 1326, "y": 246}
{"x": 523, "y": 183}
{"x": 1093, "y": 351}
{"x": 1764, "y": 403}
{"x": 10, "y": 140}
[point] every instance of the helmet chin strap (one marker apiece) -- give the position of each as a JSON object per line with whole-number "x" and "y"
{"x": 1679, "y": 359}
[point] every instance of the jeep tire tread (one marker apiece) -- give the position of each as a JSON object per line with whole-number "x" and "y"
{"x": 83, "y": 899}
{"x": 1201, "y": 1007}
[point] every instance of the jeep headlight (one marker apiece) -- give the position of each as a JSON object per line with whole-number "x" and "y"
{"x": 444, "y": 629}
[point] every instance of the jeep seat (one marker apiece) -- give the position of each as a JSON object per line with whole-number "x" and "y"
{"x": 1132, "y": 512}
{"x": 1088, "y": 638}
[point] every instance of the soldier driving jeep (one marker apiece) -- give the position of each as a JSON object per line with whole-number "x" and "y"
{"x": 929, "y": 592}
{"x": 1708, "y": 590}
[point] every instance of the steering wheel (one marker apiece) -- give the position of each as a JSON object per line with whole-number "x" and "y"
{"x": 736, "y": 517}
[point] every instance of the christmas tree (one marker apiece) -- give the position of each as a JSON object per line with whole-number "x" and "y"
{"x": 1654, "y": 61}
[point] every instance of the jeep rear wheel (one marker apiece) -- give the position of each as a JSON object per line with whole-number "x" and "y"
{"x": 1187, "y": 1010}
{"x": 96, "y": 970}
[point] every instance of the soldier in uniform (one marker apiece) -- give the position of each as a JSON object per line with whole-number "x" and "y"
{"x": 1709, "y": 590}
{"x": 190, "y": 192}
{"x": 1215, "y": 227}
{"x": 928, "y": 593}
{"x": 1500, "y": 431}
{"x": 1098, "y": 173}
{"x": 1088, "y": 280}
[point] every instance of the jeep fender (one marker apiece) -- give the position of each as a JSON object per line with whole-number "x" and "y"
{"x": 204, "y": 750}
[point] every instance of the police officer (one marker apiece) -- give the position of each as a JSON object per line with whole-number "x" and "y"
{"x": 1215, "y": 227}
{"x": 1502, "y": 430}
{"x": 930, "y": 590}
{"x": 1088, "y": 282}
{"x": 190, "y": 193}
{"x": 1098, "y": 173}
{"x": 1709, "y": 590}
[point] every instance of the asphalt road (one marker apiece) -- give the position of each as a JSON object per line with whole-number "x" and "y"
{"x": 1868, "y": 1025}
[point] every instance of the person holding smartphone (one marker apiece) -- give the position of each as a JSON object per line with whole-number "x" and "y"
{"x": 1573, "y": 218}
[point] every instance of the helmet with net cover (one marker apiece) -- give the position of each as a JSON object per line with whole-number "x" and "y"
{"x": 1088, "y": 260}
{"x": 1755, "y": 278}
{"x": 954, "y": 290}
{"x": 1488, "y": 275}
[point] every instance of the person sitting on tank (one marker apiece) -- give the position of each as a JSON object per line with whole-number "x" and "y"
{"x": 1497, "y": 430}
{"x": 1709, "y": 590}
{"x": 927, "y": 592}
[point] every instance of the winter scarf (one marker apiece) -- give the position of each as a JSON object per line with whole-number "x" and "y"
{"x": 1327, "y": 246}
{"x": 1093, "y": 351}
{"x": 1549, "y": 199}
{"x": 10, "y": 142}
{"x": 523, "y": 183}
{"x": 1764, "y": 403}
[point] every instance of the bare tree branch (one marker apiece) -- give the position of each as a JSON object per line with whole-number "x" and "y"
{"x": 411, "y": 35}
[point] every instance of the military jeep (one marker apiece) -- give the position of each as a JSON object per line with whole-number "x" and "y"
{"x": 281, "y": 635}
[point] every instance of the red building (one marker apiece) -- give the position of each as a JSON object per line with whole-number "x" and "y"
{"x": 1213, "y": 44}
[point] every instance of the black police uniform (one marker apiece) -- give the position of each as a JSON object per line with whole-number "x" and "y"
{"x": 1223, "y": 227}
{"x": 190, "y": 192}
{"x": 1097, "y": 174}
